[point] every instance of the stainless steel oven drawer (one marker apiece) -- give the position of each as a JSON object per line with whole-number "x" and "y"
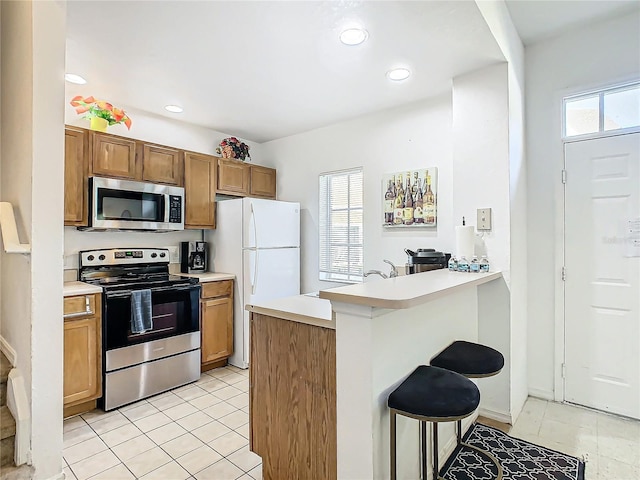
{"x": 140, "y": 381}
{"x": 153, "y": 350}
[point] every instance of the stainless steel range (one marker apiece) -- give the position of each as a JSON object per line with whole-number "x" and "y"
{"x": 150, "y": 323}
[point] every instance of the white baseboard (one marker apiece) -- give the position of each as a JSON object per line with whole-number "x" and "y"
{"x": 497, "y": 416}
{"x": 540, "y": 393}
{"x": 8, "y": 351}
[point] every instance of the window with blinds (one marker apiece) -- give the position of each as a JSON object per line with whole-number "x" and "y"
{"x": 341, "y": 225}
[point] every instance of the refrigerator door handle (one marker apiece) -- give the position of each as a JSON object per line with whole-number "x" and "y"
{"x": 255, "y": 227}
{"x": 254, "y": 281}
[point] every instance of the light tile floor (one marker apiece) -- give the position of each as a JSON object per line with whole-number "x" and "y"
{"x": 201, "y": 431}
{"x": 610, "y": 444}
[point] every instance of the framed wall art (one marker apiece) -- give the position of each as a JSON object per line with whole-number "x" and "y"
{"x": 410, "y": 199}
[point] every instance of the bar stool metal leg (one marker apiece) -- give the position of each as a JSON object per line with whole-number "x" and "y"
{"x": 459, "y": 422}
{"x": 392, "y": 428}
{"x": 436, "y": 470}
{"x": 423, "y": 444}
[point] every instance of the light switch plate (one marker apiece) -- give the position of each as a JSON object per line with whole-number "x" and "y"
{"x": 484, "y": 219}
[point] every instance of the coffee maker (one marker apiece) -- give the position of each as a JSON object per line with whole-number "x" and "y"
{"x": 193, "y": 257}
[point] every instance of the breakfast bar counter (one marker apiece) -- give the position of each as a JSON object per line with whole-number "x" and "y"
{"x": 320, "y": 381}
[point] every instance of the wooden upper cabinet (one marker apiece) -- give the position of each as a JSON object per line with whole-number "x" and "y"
{"x": 263, "y": 182}
{"x": 114, "y": 157}
{"x": 161, "y": 164}
{"x": 233, "y": 177}
{"x": 76, "y": 171}
{"x": 199, "y": 190}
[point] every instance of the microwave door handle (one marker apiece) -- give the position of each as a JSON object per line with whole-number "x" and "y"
{"x": 167, "y": 207}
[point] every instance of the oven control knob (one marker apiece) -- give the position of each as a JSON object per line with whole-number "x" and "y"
{"x": 162, "y": 255}
{"x": 90, "y": 258}
{"x": 154, "y": 255}
{"x": 101, "y": 257}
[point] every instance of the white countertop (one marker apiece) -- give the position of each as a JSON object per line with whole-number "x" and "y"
{"x": 408, "y": 290}
{"x": 71, "y": 289}
{"x": 209, "y": 276}
{"x": 299, "y": 308}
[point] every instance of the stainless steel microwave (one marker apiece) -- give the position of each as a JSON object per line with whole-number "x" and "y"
{"x": 128, "y": 205}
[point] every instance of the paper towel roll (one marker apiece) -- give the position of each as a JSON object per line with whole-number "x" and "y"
{"x": 465, "y": 236}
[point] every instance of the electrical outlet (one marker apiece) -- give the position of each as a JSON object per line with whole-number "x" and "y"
{"x": 484, "y": 219}
{"x": 174, "y": 254}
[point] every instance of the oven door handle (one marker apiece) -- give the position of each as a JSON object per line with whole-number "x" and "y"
{"x": 127, "y": 293}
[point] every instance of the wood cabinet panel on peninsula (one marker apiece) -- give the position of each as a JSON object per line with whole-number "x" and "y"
{"x": 82, "y": 353}
{"x": 216, "y": 323}
{"x": 76, "y": 171}
{"x": 200, "y": 190}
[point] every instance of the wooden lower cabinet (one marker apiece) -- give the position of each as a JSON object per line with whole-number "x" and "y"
{"x": 292, "y": 398}
{"x": 82, "y": 353}
{"x": 216, "y": 327}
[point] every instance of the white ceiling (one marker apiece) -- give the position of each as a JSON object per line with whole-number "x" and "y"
{"x": 268, "y": 69}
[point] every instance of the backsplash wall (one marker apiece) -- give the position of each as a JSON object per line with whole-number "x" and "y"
{"x": 76, "y": 240}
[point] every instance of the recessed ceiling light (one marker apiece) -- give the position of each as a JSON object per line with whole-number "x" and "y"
{"x": 398, "y": 74}
{"x": 73, "y": 78}
{"x": 173, "y": 108}
{"x": 353, "y": 36}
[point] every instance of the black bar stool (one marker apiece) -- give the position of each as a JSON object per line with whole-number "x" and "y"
{"x": 430, "y": 394}
{"x": 473, "y": 361}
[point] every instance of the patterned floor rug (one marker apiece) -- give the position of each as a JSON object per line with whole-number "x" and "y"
{"x": 520, "y": 460}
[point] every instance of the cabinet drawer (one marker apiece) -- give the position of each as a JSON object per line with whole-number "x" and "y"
{"x": 222, "y": 288}
{"x": 80, "y": 306}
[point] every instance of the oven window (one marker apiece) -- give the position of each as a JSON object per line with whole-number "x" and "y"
{"x": 127, "y": 205}
{"x": 174, "y": 312}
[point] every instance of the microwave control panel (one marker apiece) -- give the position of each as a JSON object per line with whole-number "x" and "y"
{"x": 175, "y": 209}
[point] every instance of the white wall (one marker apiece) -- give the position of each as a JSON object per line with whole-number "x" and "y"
{"x": 592, "y": 57}
{"x": 33, "y": 38}
{"x": 155, "y": 129}
{"x": 397, "y": 140}
{"x": 481, "y": 179}
{"x": 499, "y": 21}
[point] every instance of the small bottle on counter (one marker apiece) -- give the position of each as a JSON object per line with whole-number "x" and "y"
{"x": 474, "y": 266}
{"x": 484, "y": 264}
{"x": 463, "y": 264}
{"x": 453, "y": 264}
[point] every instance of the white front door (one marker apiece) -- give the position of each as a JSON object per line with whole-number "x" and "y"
{"x": 602, "y": 287}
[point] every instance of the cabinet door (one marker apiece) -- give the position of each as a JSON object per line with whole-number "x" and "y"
{"x": 233, "y": 177}
{"x": 76, "y": 171}
{"x": 199, "y": 190}
{"x": 263, "y": 182}
{"x": 114, "y": 157}
{"x": 217, "y": 329}
{"x": 161, "y": 165}
{"x": 82, "y": 375}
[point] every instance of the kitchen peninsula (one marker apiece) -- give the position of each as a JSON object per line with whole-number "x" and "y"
{"x": 322, "y": 368}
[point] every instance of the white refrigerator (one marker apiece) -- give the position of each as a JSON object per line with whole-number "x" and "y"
{"x": 258, "y": 241}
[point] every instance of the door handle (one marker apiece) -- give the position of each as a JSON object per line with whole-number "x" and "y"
{"x": 255, "y": 228}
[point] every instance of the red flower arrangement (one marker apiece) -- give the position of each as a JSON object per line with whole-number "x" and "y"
{"x": 233, "y": 148}
{"x": 100, "y": 109}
